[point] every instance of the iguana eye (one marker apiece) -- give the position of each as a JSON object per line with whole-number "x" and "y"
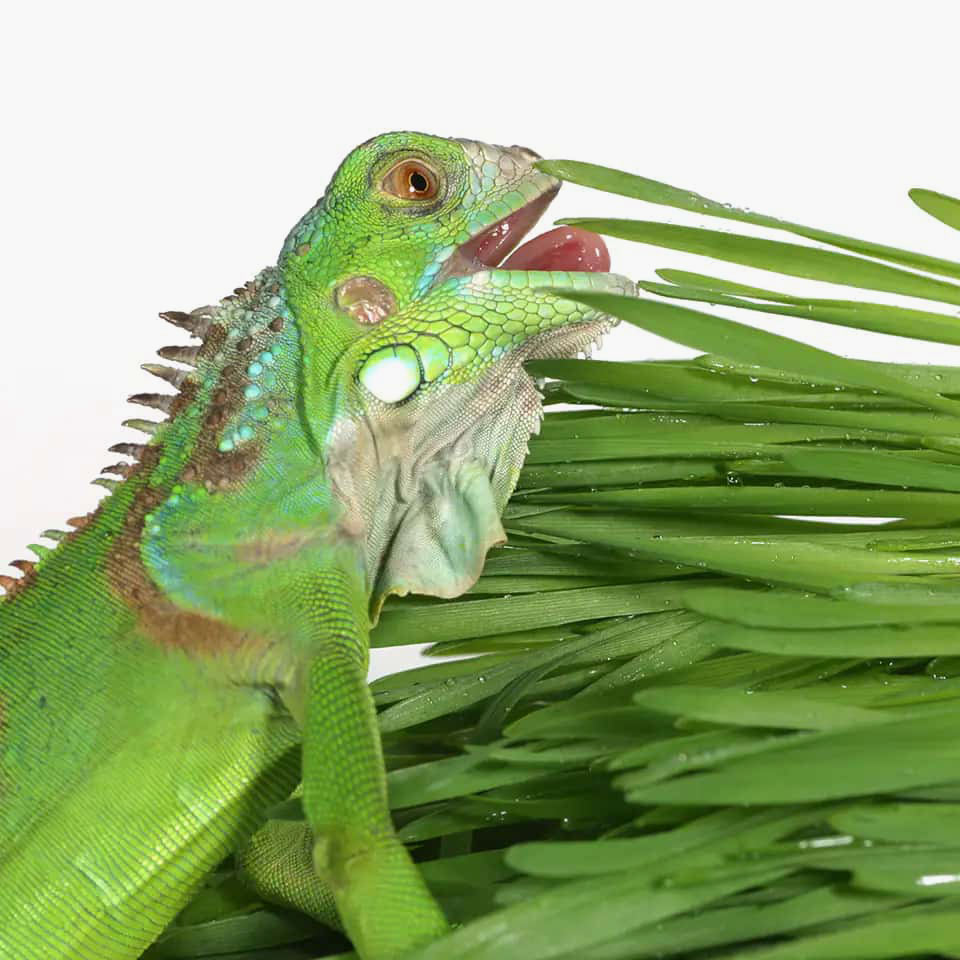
{"x": 411, "y": 180}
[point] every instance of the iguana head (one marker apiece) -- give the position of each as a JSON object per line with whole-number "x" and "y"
{"x": 414, "y": 332}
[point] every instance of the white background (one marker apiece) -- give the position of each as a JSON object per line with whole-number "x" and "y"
{"x": 154, "y": 156}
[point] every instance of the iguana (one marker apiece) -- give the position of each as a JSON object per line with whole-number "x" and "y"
{"x": 351, "y": 425}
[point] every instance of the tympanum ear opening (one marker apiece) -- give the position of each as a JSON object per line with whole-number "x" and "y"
{"x": 365, "y": 299}
{"x": 443, "y": 537}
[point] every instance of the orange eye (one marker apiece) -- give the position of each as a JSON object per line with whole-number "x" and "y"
{"x": 411, "y": 180}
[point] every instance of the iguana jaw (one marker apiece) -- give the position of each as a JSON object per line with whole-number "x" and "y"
{"x": 495, "y": 249}
{"x": 579, "y": 339}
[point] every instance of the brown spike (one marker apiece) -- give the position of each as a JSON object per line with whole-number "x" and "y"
{"x": 8, "y": 583}
{"x": 134, "y": 450}
{"x": 197, "y": 321}
{"x": 119, "y": 469}
{"x": 173, "y": 376}
{"x": 178, "y": 318}
{"x": 180, "y": 354}
{"x": 26, "y": 566}
{"x": 78, "y": 523}
{"x": 159, "y": 401}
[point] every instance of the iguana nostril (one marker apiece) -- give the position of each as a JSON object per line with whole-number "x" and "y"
{"x": 529, "y": 155}
{"x": 365, "y": 299}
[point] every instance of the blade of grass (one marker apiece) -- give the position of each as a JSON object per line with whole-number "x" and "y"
{"x": 750, "y": 345}
{"x": 653, "y": 191}
{"x": 881, "y": 318}
{"x": 940, "y": 205}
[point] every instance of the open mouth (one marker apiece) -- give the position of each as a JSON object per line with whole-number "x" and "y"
{"x": 563, "y": 248}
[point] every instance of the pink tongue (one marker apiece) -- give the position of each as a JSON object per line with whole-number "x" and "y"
{"x": 564, "y": 248}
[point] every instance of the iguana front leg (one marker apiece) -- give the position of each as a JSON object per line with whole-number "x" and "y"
{"x": 382, "y": 900}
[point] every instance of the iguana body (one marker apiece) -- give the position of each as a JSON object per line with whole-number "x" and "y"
{"x": 353, "y": 424}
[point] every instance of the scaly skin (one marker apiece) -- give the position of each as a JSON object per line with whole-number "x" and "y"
{"x": 353, "y": 424}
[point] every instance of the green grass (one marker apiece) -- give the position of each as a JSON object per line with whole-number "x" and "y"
{"x": 692, "y": 725}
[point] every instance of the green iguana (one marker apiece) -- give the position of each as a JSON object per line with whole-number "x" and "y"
{"x": 351, "y": 427}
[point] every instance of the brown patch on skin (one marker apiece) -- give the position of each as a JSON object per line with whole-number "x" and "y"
{"x": 162, "y": 620}
{"x": 171, "y": 627}
{"x": 274, "y": 546}
{"x": 159, "y": 618}
{"x": 209, "y": 465}
{"x": 227, "y": 470}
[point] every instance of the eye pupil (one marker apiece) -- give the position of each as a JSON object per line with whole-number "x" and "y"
{"x": 411, "y": 179}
